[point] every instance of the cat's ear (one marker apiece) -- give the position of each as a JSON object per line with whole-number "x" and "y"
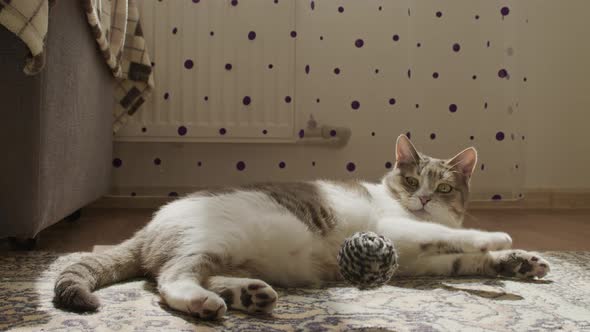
{"x": 464, "y": 161}
{"x": 405, "y": 152}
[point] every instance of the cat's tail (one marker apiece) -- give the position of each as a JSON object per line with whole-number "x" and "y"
{"x": 74, "y": 285}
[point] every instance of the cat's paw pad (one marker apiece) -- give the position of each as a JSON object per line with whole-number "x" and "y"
{"x": 258, "y": 297}
{"x": 495, "y": 241}
{"x": 520, "y": 264}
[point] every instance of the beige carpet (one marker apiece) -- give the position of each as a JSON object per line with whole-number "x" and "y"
{"x": 562, "y": 302}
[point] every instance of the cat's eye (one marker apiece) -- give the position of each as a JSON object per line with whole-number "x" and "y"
{"x": 444, "y": 188}
{"x": 412, "y": 181}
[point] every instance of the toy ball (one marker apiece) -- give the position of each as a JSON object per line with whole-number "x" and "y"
{"x": 367, "y": 260}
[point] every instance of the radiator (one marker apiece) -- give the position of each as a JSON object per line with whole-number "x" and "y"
{"x": 222, "y": 74}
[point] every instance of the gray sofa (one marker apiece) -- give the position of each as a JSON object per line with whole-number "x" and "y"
{"x": 55, "y": 127}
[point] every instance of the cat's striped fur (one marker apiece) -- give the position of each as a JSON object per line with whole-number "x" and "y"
{"x": 222, "y": 248}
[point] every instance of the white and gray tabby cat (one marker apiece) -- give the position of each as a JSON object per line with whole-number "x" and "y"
{"x": 215, "y": 250}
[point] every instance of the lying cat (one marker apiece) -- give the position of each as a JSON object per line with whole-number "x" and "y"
{"x": 217, "y": 249}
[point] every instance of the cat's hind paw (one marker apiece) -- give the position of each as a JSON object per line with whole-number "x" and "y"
{"x": 519, "y": 264}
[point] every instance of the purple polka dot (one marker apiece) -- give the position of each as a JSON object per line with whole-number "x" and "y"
{"x": 409, "y": 135}
{"x": 312, "y": 5}
{"x": 432, "y": 136}
{"x": 332, "y": 132}
{"x": 435, "y": 75}
{"x": 264, "y": 132}
{"x": 456, "y": 47}
{"x": 502, "y": 73}
{"x": 222, "y": 131}
{"x": 282, "y": 164}
{"x": 337, "y": 71}
{"x": 251, "y": 35}
{"x": 157, "y": 161}
{"x": 359, "y": 43}
{"x": 175, "y": 30}
{"x": 270, "y": 66}
{"x": 228, "y": 66}
{"x": 173, "y": 194}
{"x": 301, "y": 133}
{"x": 117, "y": 162}
{"x": 392, "y": 101}
{"x": 246, "y": 100}
{"x": 500, "y": 136}
{"x": 293, "y": 34}
{"x": 143, "y": 129}
{"x": 496, "y": 197}
{"x": 182, "y": 130}
{"x": 287, "y": 99}
{"x": 241, "y": 165}
{"x": 453, "y": 108}
{"x": 505, "y": 11}
{"x": 355, "y": 105}
{"x": 438, "y": 14}
{"x": 388, "y": 165}
{"x": 341, "y": 9}
{"x": 188, "y": 64}
{"x": 307, "y": 69}
{"x": 166, "y": 95}
{"x": 395, "y": 37}
{"x": 350, "y": 167}
{"x": 234, "y": 2}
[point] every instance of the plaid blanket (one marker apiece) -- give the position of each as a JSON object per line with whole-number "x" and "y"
{"x": 117, "y": 29}
{"x": 28, "y": 20}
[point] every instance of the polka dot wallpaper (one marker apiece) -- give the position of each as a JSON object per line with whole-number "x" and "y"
{"x": 445, "y": 73}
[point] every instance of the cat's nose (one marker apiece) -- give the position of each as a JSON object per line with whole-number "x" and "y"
{"x": 424, "y": 199}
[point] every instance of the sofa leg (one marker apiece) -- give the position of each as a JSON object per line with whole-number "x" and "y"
{"x": 24, "y": 244}
{"x": 74, "y": 216}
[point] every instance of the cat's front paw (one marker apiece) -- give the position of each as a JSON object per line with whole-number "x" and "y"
{"x": 494, "y": 241}
{"x": 519, "y": 264}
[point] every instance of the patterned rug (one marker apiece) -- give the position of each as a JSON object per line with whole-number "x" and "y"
{"x": 562, "y": 302}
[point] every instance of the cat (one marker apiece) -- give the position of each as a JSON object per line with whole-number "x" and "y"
{"x": 221, "y": 249}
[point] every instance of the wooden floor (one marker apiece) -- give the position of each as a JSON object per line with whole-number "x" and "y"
{"x": 99, "y": 229}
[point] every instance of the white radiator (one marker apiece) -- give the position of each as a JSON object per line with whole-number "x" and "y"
{"x": 222, "y": 74}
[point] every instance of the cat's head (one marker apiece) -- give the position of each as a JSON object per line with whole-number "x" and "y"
{"x": 430, "y": 188}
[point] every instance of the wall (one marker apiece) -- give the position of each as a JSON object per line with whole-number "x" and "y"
{"x": 558, "y": 65}
{"x": 391, "y": 76}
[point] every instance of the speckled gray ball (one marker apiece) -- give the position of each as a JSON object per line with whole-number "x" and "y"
{"x": 367, "y": 260}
